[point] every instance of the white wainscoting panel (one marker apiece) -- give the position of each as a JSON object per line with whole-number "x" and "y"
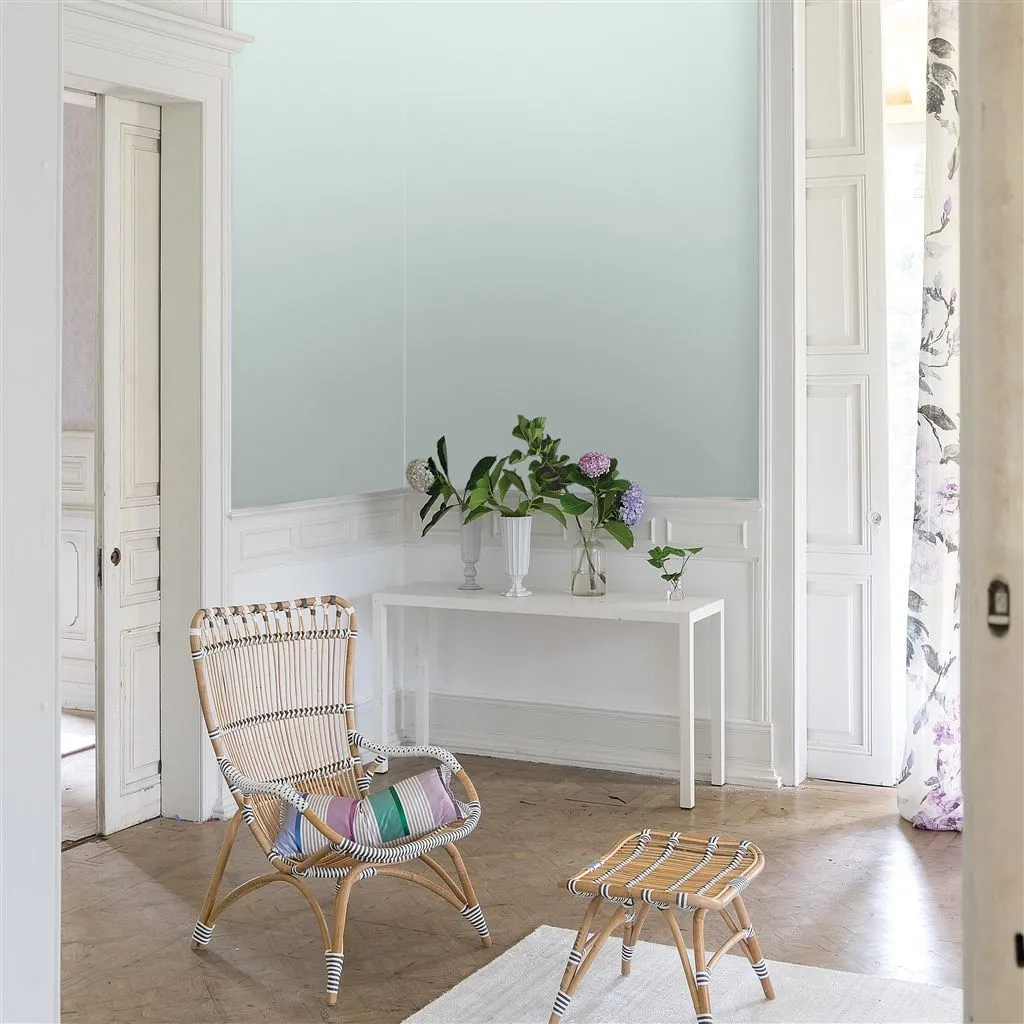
{"x": 835, "y": 106}
{"x": 595, "y": 694}
{"x": 836, "y": 298}
{"x": 603, "y": 671}
{"x": 837, "y": 449}
{"x": 77, "y": 570}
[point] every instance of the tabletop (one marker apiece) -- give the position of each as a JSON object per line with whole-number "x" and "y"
{"x": 626, "y": 607}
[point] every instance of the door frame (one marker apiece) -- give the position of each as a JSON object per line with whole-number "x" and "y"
{"x": 783, "y": 367}
{"x": 183, "y": 65}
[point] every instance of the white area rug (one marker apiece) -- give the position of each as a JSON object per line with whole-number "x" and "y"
{"x": 519, "y": 988}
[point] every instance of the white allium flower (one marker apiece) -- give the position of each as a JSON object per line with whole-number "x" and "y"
{"x": 419, "y": 476}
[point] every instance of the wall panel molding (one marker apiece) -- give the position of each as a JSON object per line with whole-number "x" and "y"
{"x": 274, "y": 544}
{"x": 308, "y": 531}
{"x": 77, "y": 570}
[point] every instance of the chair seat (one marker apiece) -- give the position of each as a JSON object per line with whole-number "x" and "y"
{"x": 665, "y": 868}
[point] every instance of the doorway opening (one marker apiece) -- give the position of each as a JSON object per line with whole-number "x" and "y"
{"x": 79, "y": 404}
{"x": 110, "y": 466}
{"x": 865, "y": 115}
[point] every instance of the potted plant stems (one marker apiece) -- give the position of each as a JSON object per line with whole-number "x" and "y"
{"x": 517, "y": 486}
{"x": 431, "y": 477}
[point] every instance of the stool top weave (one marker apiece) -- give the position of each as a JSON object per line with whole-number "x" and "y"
{"x": 662, "y": 868}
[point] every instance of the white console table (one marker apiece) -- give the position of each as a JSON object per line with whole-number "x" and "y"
{"x": 681, "y": 615}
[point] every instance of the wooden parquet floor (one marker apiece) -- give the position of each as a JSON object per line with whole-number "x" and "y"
{"x": 847, "y": 886}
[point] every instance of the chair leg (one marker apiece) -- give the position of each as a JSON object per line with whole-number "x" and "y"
{"x": 203, "y": 931}
{"x": 471, "y": 911}
{"x": 630, "y": 936}
{"x": 584, "y": 949}
{"x": 335, "y": 956}
{"x": 701, "y": 977}
{"x": 753, "y": 949}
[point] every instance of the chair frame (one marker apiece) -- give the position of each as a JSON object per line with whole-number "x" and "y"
{"x": 222, "y": 642}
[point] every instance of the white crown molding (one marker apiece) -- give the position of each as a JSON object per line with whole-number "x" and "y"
{"x": 157, "y": 27}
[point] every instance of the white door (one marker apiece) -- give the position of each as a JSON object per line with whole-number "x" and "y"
{"x": 129, "y": 733}
{"x": 850, "y": 716}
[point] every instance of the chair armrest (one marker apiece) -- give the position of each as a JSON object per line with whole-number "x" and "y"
{"x": 247, "y": 786}
{"x": 386, "y": 750}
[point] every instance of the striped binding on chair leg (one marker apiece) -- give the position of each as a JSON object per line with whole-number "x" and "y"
{"x": 627, "y": 953}
{"x": 202, "y": 933}
{"x": 702, "y": 979}
{"x": 705, "y": 1018}
{"x": 335, "y": 962}
{"x": 562, "y": 1001}
{"x": 475, "y": 916}
{"x": 760, "y": 968}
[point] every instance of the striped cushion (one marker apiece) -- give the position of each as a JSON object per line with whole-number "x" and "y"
{"x": 407, "y": 810}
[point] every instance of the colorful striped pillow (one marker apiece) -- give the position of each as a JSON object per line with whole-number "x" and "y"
{"x": 406, "y": 810}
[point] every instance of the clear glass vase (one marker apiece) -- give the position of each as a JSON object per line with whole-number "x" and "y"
{"x": 589, "y": 576}
{"x": 675, "y": 590}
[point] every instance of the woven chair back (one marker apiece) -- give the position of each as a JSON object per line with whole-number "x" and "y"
{"x": 276, "y": 687}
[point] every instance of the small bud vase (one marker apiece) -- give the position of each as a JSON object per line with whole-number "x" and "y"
{"x": 470, "y": 536}
{"x": 515, "y": 535}
{"x": 588, "y": 576}
{"x": 675, "y": 590}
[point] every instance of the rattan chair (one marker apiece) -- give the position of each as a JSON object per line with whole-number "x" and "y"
{"x": 276, "y": 688}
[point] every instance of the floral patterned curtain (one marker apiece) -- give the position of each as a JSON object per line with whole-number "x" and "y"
{"x": 930, "y": 794}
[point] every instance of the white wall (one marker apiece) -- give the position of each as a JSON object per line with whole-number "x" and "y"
{"x": 578, "y": 693}
{"x": 30, "y": 275}
{"x": 80, "y": 317}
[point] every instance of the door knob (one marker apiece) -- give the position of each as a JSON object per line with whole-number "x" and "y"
{"x": 115, "y": 556}
{"x": 875, "y": 518}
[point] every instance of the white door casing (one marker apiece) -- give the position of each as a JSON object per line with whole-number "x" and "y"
{"x": 850, "y": 716}
{"x": 129, "y": 733}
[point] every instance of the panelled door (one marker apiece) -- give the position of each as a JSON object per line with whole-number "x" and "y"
{"x": 129, "y": 554}
{"x": 849, "y": 667}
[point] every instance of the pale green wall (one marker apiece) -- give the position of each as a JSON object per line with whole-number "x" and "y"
{"x": 538, "y": 207}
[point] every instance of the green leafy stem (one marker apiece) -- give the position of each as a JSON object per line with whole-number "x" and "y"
{"x": 659, "y": 558}
{"x": 523, "y": 482}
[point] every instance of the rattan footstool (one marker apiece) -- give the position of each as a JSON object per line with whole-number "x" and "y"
{"x": 662, "y": 871}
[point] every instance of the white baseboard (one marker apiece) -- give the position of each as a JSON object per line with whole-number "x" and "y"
{"x": 627, "y": 741}
{"x": 77, "y": 694}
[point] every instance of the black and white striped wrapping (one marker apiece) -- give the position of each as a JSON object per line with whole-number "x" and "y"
{"x": 561, "y": 1003}
{"x": 335, "y": 962}
{"x": 475, "y": 916}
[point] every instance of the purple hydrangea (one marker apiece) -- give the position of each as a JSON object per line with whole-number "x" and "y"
{"x": 631, "y": 505}
{"x": 594, "y": 464}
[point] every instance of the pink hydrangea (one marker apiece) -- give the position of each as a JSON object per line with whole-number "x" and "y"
{"x": 594, "y": 464}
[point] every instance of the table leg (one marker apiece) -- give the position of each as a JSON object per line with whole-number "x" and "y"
{"x": 686, "y": 795}
{"x": 423, "y": 656}
{"x": 716, "y": 623}
{"x": 380, "y": 680}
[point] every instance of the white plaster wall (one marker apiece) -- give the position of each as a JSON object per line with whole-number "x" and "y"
{"x": 30, "y": 270}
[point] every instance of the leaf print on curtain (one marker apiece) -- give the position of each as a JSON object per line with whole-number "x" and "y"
{"x": 930, "y": 793}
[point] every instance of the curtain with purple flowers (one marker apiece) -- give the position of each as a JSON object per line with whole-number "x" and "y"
{"x": 930, "y": 794}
